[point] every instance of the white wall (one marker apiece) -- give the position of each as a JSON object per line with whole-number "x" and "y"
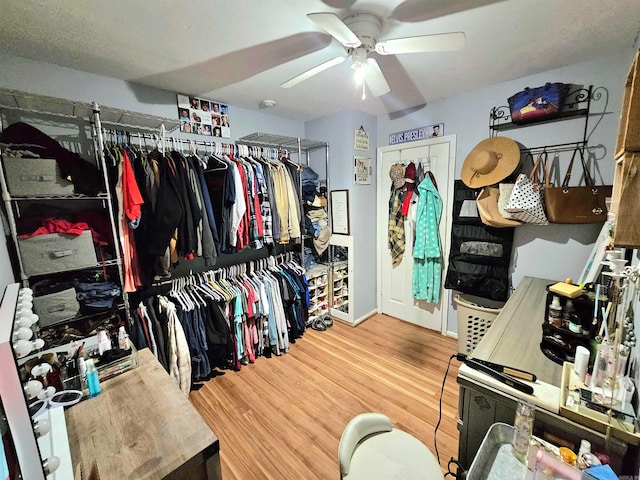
{"x": 555, "y": 251}
{"x": 46, "y": 79}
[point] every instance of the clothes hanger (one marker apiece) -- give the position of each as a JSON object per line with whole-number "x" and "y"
{"x": 223, "y": 286}
{"x": 173, "y": 293}
{"x": 186, "y": 295}
{"x": 180, "y": 296}
{"x": 194, "y": 292}
{"x": 205, "y": 287}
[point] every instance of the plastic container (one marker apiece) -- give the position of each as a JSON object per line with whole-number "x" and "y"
{"x": 92, "y": 379}
{"x": 475, "y": 316}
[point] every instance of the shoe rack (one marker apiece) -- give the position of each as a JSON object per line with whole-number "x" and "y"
{"x": 318, "y": 281}
{"x": 341, "y": 278}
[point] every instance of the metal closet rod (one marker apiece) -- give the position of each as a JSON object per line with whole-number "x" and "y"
{"x": 173, "y": 140}
{"x": 557, "y": 148}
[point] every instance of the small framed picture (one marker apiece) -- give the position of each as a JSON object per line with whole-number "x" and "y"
{"x": 362, "y": 171}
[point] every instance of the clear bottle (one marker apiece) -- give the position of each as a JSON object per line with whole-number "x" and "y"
{"x": 93, "y": 381}
{"x": 523, "y": 428}
{"x": 82, "y": 373}
{"x": 555, "y": 312}
{"x": 123, "y": 338}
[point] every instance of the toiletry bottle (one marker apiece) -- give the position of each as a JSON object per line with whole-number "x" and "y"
{"x": 600, "y": 364}
{"x": 523, "y": 428}
{"x": 104, "y": 342}
{"x": 567, "y": 312}
{"x": 82, "y": 373}
{"x": 123, "y": 338}
{"x": 555, "y": 312}
{"x": 92, "y": 379}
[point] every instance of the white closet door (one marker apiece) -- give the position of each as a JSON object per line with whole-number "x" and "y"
{"x": 395, "y": 283}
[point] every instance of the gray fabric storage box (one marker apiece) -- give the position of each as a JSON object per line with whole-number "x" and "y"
{"x": 33, "y": 177}
{"x": 56, "y": 307}
{"x": 57, "y": 252}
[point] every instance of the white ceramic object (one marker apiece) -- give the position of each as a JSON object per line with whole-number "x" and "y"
{"x": 41, "y": 427}
{"x": 47, "y": 393}
{"x": 50, "y": 465}
{"x": 22, "y": 333}
{"x": 41, "y": 370}
{"x": 32, "y": 388}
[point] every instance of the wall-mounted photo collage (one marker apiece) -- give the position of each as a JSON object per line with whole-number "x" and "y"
{"x": 203, "y": 117}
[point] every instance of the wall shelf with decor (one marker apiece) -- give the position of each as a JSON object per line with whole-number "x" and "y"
{"x": 577, "y": 105}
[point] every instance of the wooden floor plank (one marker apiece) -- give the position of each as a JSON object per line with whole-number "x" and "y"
{"x": 282, "y": 417}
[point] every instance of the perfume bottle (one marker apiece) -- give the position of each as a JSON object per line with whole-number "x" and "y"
{"x": 523, "y": 428}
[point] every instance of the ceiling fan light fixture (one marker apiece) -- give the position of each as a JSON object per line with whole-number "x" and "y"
{"x": 358, "y": 74}
{"x": 359, "y": 65}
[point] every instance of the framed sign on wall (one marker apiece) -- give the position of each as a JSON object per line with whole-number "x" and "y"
{"x": 340, "y": 211}
{"x": 362, "y": 170}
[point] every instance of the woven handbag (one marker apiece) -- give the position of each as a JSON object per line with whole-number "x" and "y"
{"x": 584, "y": 204}
{"x": 526, "y": 201}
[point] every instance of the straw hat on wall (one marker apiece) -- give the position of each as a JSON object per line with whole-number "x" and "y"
{"x": 491, "y": 161}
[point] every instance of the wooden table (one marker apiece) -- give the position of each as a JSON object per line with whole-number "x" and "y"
{"x": 514, "y": 340}
{"x": 142, "y": 427}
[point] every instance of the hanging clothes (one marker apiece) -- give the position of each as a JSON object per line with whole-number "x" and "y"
{"x": 169, "y": 209}
{"x": 220, "y": 181}
{"x": 129, "y": 201}
{"x": 409, "y": 186}
{"x": 395, "y": 235}
{"x": 427, "y": 252}
{"x": 179, "y": 358}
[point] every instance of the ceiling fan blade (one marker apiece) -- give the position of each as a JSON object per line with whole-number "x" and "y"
{"x": 339, "y": 3}
{"x": 312, "y": 71}
{"x": 441, "y": 42}
{"x": 336, "y": 27}
{"x": 374, "y": 78}
{"x": 420, "y": 11}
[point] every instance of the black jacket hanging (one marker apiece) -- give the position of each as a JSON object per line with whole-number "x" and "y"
{"x": 167, "y": 214}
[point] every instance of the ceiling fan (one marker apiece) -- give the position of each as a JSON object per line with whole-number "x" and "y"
{"x": 358, "y": 34}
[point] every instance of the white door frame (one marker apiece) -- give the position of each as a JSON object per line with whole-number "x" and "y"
{"x": 447, "y": 210}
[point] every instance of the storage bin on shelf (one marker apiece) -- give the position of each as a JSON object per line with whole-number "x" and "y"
{"x": 33, "y": 177}
{"x": 475, "y": 316}
{"x": 57, "y": 252}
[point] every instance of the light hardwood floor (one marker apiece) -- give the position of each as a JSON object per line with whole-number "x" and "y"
{"x": 281, "y": 418}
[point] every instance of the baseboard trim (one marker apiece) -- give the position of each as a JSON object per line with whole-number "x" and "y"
{"x": 452, "y": 334}
{"x": 364, "y": 317}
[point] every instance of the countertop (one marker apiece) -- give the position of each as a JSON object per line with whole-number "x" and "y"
{"x": 514, "y": 340}
{"x": 141, "y": 426}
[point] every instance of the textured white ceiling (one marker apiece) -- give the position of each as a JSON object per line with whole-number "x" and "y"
{"x": 241, "y": 51}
